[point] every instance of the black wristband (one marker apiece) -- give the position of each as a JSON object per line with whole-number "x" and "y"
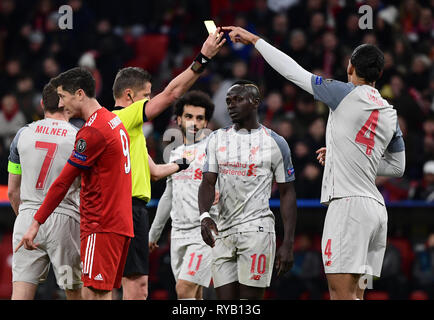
{"x": 199, "y": 64}
{"x": 182, "y": 163}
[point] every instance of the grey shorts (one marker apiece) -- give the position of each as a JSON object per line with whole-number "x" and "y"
{"x": 244, "y": 257}
{"x": 59, "y": 243}
{"x": 191, "y": 260}
{"x": 354, "y": 236}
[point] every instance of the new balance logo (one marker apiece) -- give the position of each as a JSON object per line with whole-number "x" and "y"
{"x": 203, "y": 61}
{"x": 256, "y": 277}
{"x": 98, "y": 277}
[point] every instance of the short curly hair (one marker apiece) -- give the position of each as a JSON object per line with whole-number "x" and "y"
{"x": 198, "y": 99}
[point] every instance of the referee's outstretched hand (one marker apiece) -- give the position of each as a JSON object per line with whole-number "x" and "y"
{"x": 28, "y": 238}
{"x": 213, "y": 43}
{"x": 207, "y": 227}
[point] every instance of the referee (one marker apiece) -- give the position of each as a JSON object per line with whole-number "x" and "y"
{"x": 131, "y": 91}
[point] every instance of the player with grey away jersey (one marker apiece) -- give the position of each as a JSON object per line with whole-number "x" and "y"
{"x": 242, "y": 161}
{"x": 246, "y": 164}
{"x": 179, "y": 200}
{"x": 37, "y": 156}
{"x": 360, "y": 129}
{"x": 363, "y": 140}
{"x": 41, "y": 150}
{"x": 190, "y": 257}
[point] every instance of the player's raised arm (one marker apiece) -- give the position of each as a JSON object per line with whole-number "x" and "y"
{"x": 178, "y": 86}
{"x": 280, "y": 61}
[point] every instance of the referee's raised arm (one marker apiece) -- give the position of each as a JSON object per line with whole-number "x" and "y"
{"x": 178, "y": 86}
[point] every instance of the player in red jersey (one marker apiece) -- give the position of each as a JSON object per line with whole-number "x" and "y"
{"x": 101, "y": 156}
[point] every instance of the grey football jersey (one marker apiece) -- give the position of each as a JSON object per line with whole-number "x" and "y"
{"x": 42, "y": 148}
{"x": 185, "y": 187}
{"x": 361, "y": 126}
{"x": 246, "y": 164}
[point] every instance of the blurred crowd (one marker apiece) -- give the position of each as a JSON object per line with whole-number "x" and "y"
{"x": 164, "y": 36}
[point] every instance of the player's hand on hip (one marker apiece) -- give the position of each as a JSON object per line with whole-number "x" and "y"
{"x": 321, "y": 154}
{"x": 216, "y": 198}
{"x": 284, "y": 259}
{"x": 213, "y": 44}
{"x": 238, "y": 34}
{"x": 207, "y": 228}
{"x": 29, "y": 237}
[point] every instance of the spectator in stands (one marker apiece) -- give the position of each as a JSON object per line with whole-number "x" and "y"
{"x": 285, "y": 128}
{"x": 349, "y": 33}
{"x": 393, "y": 189}
{"x": 414, "y": 150}
{"x": 240, "y": 50}
{"x": 306, "y": 274}
{"x": 423, "y": 271}
{"x": 316, "y": 134}
{"x": 49, "y": 68}
{"x": 11, "y": 119}
{"x": 428, "y": 141}
{"x": 260, "y": 16}
{"x": 392, "y": 278}
{"x": 271, "y": 109}
{"x": 388, "y": 70}
{"x": 409, "y": 12}
{"x": 403, "y": 54}
{"x": 404, "y": 103}
{"x": 305, "y": 113}
{"x": 418, "y": 76}
{"x": 309, "y": 181}
{"x": 221, "y": 116}
{"x": 297, "y": 47}
{"x": 316, "y": 30}
{"x": 8, "y": 79}
{"x": 425, "y": 190}
{"x": 29, "y": 99}
{"x": 302, "y": 155}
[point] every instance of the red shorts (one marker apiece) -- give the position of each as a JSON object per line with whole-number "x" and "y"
{"x": 103, "y": 258}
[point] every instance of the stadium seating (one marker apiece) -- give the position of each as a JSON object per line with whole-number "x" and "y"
{"x": 150, "y": 51}
{"x": 407, "y": 254}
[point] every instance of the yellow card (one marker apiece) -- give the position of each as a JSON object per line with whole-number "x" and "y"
{"x": 210, "y": 26}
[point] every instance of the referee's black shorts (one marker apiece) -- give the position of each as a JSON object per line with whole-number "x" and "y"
{"x": 138, "y": 253}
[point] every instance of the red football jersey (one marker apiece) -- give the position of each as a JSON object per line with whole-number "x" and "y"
{"x": 102, "y": 152}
